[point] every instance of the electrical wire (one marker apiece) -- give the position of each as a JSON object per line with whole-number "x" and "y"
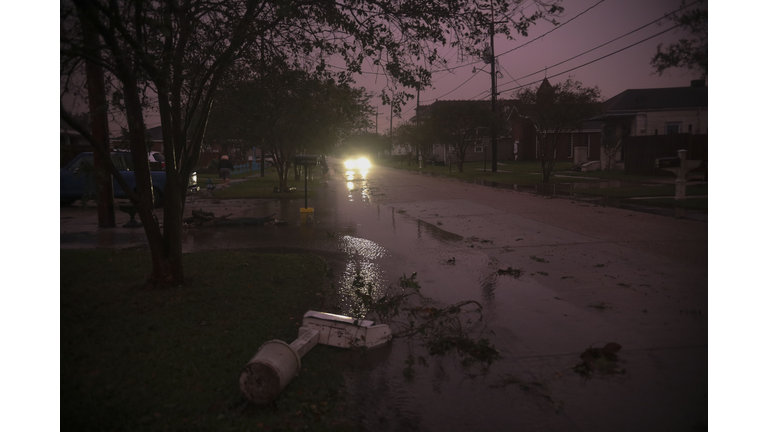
{"x": 556, "y": 28}
{"x": 595, "y": 60}
{"x": 600, "y": 46}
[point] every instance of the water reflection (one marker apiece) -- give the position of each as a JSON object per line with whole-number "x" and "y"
{"x": 360, "y": 271}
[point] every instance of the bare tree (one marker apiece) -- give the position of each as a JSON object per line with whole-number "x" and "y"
{"x": 556, "y": 111}
{"x": 460, "y": 125}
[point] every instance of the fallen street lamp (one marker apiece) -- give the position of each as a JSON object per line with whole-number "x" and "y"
{"x": 276, "y": 362}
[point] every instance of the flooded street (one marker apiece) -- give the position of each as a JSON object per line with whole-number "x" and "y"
{"x": 590, "y": 276}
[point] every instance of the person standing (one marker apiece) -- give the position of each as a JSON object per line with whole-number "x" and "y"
{"x": 225, "y": 169}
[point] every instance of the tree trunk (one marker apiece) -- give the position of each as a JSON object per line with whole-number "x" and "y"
{"x": 166, "y": 267}
{"x": 97, "y": 106}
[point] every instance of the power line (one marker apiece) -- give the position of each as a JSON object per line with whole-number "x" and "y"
{"x": 513, "y": 49}
{"x": 597, "y": 59}
{"x": 556, "y": 28}
{"x": 606, "y": 43}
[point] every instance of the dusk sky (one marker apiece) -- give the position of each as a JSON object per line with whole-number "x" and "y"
{"x": 584, "y": 26}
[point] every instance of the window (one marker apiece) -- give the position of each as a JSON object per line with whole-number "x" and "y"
{"x": 672, "y": 127}
{"x": 479, "y": 149}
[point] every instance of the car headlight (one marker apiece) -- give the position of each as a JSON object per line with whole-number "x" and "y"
{"x": 363, "y": 164}
{"x": 350, "y": 164}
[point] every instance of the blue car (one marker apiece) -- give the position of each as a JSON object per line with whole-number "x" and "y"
{"x": 76, "y": 179}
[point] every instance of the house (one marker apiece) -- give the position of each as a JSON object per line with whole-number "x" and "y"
{"x": 517, "y": 141}
{"x": 481, "y": 150}
{"x": 659, "y": 111}
{"x": 71, "y": 143}
{"x": 656, "y": 122}
{"x": 154, "y": 136}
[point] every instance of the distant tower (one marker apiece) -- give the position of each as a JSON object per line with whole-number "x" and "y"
{"x": 545, "y": 94}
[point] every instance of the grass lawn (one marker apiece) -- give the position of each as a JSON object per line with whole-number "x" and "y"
{"x": 150, "y": 360}
{"x": 529, "y": 173}
{"x": 260, "y": 187}
{"x": 520, "y": 173}
{"x": 644, "y": 191}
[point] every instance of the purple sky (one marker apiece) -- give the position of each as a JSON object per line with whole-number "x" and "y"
{"x": 605, "y": 21}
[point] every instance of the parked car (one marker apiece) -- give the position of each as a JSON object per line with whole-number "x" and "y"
{"x": 269, "y": 160}
{"x": 156, "y": 161}
{"x": 76, "y": 178}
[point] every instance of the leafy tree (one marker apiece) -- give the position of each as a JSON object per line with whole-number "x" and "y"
{"x": 555, "y": 111}
{"x": 416, "y": 137}
{"x": 689, "y": 52}
{"x": 403, "y": 136}
{"x": 460, "y": 125}
{"x": 289, "y": 112}
{"x": 175, "y": 54}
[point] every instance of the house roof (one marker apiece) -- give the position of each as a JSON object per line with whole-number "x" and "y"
{"x": 658, "y": 98}
{"x": 155, "y": 133}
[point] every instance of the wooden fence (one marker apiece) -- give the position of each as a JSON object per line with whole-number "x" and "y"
{"x": 641, "y": 152}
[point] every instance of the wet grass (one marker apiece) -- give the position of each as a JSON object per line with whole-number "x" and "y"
{"x": 134, "y": 359}
{"x": 691, "y": 203}
{"x": 520, "y": 173}
{"x": 528, "y": 174}
{"x": 644, "y": 191}
{"x": 256, "y": 186}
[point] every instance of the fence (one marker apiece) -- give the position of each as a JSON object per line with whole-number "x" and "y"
{"x": 245, "y": 167}
{"x": 239, "y": 166}
{"x": 641, "y": 152}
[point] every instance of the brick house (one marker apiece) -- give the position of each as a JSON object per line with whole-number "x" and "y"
{"x": 517, "y": 141}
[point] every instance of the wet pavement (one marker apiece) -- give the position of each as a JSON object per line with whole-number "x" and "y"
{"x": 591, "y": 275}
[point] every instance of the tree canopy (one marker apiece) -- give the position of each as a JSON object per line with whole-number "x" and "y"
{"x": 460, "y": 125}
{"x": 556, "y": 110}
{"x": 689, "y": 52}
{"x": 289, "y": 112}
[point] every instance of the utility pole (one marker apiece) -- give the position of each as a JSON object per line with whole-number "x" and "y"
{"x": 494, "y": 144}
{"x": 391, "y": 143}
{"x": 489, "y": 57}
{"x": 418, "y": 131}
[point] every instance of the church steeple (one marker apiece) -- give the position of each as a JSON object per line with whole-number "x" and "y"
{"x": 545, "y": 93}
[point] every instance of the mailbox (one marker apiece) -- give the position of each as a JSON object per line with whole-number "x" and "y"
{"x": 668, "y": 162}
{"x": 306, "y": 160}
